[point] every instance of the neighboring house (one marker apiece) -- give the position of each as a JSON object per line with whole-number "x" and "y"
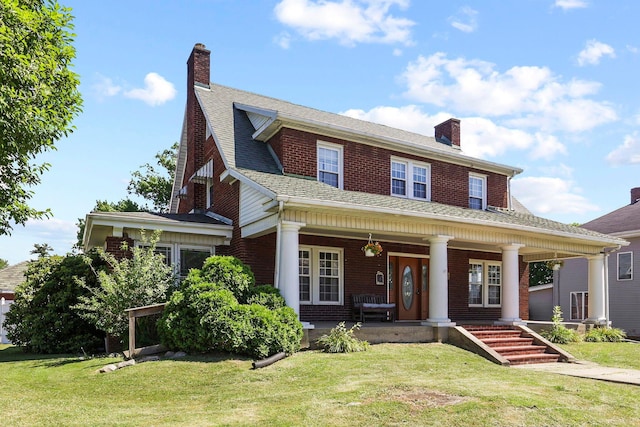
{"x": 10, "y": 278}
{"x": 296, "y": 192}
{"x": 541, "y": 302}
{"x": 573, "y": 290}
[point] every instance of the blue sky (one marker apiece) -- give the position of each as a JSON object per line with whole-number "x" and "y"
{"x": 549, "y": 86}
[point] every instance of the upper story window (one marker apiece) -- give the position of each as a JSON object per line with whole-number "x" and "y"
{"x": 410, "y": 179}
{"x": 625, "y": 266}
{"x": 477, "y": 191}
{"x": 330, "y": 164}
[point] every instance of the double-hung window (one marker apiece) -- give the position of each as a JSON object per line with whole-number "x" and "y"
{"x": 410, "y": 179}
{"x": 183, "y": 258}
{"x": 477, "y": 191}
{"x": 625, "y": 266}
{"x": 579, "y": 305}
{"x": 330, "y": 159}
{"x": 485, "y": 284}
{"x": 320, "y": 275}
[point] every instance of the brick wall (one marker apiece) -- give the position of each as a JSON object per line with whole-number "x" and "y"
{"x": 367, "y": 168}
{"x": 115, "y": 246}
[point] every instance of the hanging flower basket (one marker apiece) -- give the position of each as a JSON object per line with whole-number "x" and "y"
{"x": 555, "y": 264}
{"x": 372, "y": 248}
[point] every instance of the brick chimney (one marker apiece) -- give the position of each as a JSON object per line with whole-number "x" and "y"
{"x": 198, "y": 74}
{"x": 198, "y": 66}
{"x": 635, "y": 195}
{"x": 448, "y": 132}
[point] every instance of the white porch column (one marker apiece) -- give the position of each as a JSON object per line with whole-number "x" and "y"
{"x": 438, "y": 282}
{"x": 288, "y": 278}
{"x": 596, "y": 290}
{"x": 510, "y": 284}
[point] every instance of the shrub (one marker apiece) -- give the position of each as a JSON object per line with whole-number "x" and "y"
{"x": 208, "y": 316}
{"x": 605, "y": 335}
{"x": 342, "y": 340}
{"x": 227, "y": 272}
{"x": 41, "y": 319}
{"x": 267, "y": 296}
{"x": 559, "y": 333}
{"x": 141, "y": 280}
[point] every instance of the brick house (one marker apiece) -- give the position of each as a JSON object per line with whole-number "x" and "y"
{"x": 296, "y": 192}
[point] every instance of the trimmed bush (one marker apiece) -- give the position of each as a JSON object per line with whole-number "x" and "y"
{"x": 227, "y": 272}
{"x": 207, "y": 316}
{"x": 605, "y": 335}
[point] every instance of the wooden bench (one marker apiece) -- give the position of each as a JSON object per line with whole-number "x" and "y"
{"x": 372, "y": 306}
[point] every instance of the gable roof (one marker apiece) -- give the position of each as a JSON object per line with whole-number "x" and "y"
{"x": 12, "y": 276}
{"x": 623, "y": 222}
{"x": 309, "y": 192}
{"x": 236, "y": 135}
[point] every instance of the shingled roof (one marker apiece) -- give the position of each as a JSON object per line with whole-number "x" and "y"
{"x": 623, "y": 220}
{"x": 12, "y": 276}
{"x": 317, "y": 193}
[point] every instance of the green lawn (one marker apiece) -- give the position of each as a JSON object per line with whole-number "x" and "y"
{"x": 391, "y": 384}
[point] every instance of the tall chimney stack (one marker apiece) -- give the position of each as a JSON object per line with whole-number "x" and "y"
{"x": 448, "y": 132}
{"x": 635, "y": 195}
{"x": 198, "y": 66}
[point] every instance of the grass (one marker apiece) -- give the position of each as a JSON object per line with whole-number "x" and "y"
{"x": 391, "y": 384}
{"x": 618, "y": 355}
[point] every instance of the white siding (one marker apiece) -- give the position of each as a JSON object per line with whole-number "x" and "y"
{"x": 252, "y": 205}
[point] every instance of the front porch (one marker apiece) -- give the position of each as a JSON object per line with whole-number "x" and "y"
{"x": 502, "y": 344}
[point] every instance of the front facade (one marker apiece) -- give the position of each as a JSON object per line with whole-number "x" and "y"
{"x": 571, "y": 288}
{"x": 302, "y": 191}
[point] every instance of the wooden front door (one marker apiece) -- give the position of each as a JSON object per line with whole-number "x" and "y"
{"x": 409, "y": 287}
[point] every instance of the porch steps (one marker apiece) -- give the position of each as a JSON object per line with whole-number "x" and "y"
{"x": 513, "y": 344}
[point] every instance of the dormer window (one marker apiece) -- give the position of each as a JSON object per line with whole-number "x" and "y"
{"x": 410, "y": 179}
{"x": 330, "y": 164}
{"x": 477, "y": 191}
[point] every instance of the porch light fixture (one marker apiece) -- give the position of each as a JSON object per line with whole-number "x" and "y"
{"x": 372, "y": 248}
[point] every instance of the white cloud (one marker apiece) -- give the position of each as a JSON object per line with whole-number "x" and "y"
{"x": 156, "y": 90}
{"x": 283, "y": 40}
{"x": 593, "y": 51}
{"x": 632, "y": 49}
{"x": 397, "y": 52}
{"x": 527, "y": 96}
{"x": 104, "y": 87}
{"x": 466, "y": 21}
{"x": 570, "y": 4}
{"x": 348, "y": 21}
{"x": 481, "y": 137}
{"x": 51, "y": 227}
{"x": 628, "y": 153}
{"x": 548, "y": 195}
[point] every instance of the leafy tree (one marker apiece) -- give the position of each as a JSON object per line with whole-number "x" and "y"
{"x": 38, "y": 98}
{"x": 153, "y": 184}
{"x": 3, "y": 263}
{"x": 41, "y": 319}
{"x": 41, "y": 249}
{"x": 539, "y": 274}
{"x": 144, "y": 279}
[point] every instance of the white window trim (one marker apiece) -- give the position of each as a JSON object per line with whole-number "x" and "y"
{"x": 410, "y": 164}
{"x": 208, "y": 188}
{"x": 175, "y": 251}
{"x": 618, "y": 267}
{"x": 484, "y": 188}
{"x": 584, "y": 313}
{"x": 485, "y": 283}
{"x": 335, "y": 147}
{"x": 314, "y": 268}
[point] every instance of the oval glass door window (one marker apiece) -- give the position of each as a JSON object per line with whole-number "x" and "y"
{"x": 407, "y": 288}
